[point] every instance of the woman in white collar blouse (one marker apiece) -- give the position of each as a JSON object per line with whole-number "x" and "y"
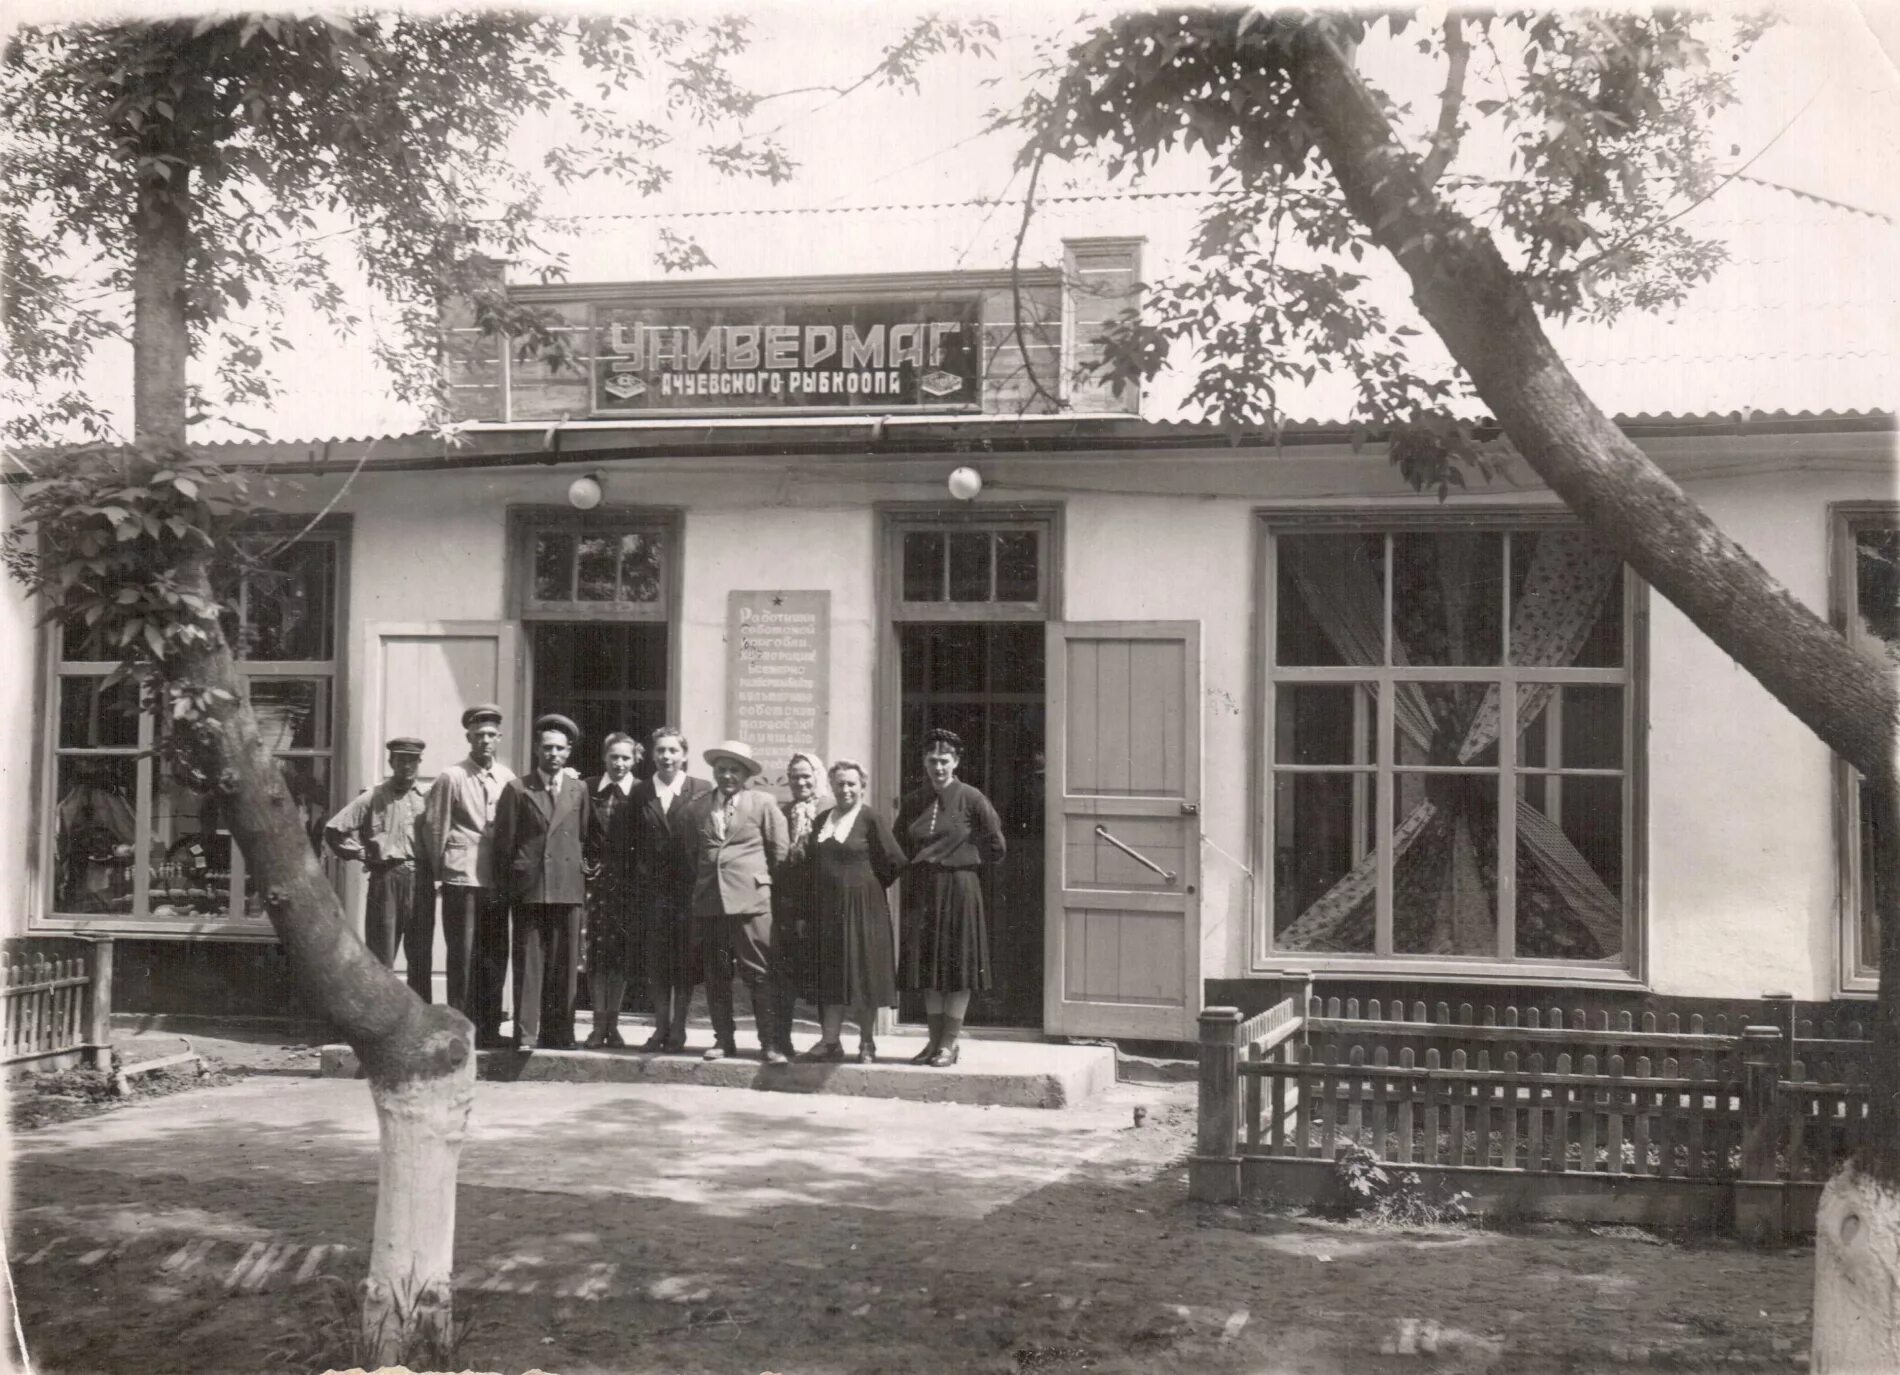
{"x": 854, "y": 859}
{"x": 607, "y": 861}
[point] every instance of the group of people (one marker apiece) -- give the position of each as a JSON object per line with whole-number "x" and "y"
{"x": 677, "y": 881}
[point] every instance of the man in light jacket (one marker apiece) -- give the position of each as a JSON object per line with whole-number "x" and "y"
{"x": 538, "y": 832}
{"x": 736, "y": 840}
{"x": 459, "y": 830}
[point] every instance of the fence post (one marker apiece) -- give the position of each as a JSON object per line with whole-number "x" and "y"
{"x": 1758, "y": 1191}
{"x": 1777, "y": 1009}
{"x": 98, "y": 1016}
{"x": 1302, "y": 981}
{"x": 1214, "y": 1169}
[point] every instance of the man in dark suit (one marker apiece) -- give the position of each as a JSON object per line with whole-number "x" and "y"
{"x": 737, "y": 840}
{"x": 539, "y": 825}
{"x": 663, "y": 886}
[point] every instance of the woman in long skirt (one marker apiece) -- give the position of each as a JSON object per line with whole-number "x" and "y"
{"x": 950, "y": 830}
{"x": 854, "y": 859}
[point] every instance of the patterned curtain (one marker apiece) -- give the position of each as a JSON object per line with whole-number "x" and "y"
{"x": 1444, "y": 855}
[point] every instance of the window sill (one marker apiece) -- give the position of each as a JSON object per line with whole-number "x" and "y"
{"x": 134, "y": 928}
{"x": 1462, "y": 971}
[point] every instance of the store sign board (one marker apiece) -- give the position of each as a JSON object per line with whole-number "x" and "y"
{"x": 869, "y": 354}
{"x": 778, "y": 673}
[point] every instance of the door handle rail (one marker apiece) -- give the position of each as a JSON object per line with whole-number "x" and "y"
{"x": 1134, "y": 854}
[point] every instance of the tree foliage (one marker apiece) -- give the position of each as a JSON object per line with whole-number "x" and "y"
{"x": 1575, "y": 138}
{"x": 285, "y": 138}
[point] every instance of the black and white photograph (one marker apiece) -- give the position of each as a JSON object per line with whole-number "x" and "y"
{"x": 835, "y": 688}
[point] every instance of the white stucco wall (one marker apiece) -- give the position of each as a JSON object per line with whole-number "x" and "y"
{"x": 1741, "y": 863}
{"x": 1743, "y": 876}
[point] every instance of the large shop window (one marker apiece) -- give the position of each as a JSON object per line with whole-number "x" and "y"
{"x": 132, "y": 848}
{"x": 1450, "y": 747}
{"x": 1867, "y": 608}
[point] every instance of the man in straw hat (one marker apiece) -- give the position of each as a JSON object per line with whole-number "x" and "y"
{"x": 736, "y": 839}
{"x": 460, "y": 828}
{"x": 380, "y": 829}
{"x": 538, "y": 832}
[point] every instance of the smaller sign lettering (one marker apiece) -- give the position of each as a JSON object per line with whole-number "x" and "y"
{"x": 778, "y": 673}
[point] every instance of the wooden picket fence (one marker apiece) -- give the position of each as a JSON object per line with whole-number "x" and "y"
{"x": 1653, "y": 1119}
{"x": 57, "y": 992}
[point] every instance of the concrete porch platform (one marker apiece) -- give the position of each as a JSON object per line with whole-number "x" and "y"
{"x": 999, "y": 1072}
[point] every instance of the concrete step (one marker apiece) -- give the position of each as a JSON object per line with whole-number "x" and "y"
{"x": 997, "y": 1072}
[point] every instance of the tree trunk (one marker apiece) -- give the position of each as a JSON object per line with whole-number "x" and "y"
{"x": 420, "y": 1059}
{"x": 1471, "y": 298}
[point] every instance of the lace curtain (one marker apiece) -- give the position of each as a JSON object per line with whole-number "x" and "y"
{"x": 1444, "y": 849}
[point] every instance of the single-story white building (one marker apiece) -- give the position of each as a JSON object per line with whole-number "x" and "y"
{"x": 1246, "y": 702}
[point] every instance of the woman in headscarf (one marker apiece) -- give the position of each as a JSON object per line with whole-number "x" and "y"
{"x": 792, "y": 891}
{"x": 854, "y": 859}
{"x": 950, "y": 830}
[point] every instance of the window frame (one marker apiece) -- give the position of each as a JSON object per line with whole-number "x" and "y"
{"x": 526, "y": 522}
{"x": 1038, "y": 521}
{"x": 1505, "y": 966}
{"x": 1854, "y": 973}
{"x": 233, "y": 925}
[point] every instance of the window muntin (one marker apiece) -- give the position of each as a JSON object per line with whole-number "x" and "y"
{"x": 1420, "y": 677}
{"x": 131, "y": 845}
{"x": 1867, "y": 597}
{"x": 967, "y": 566}
{"x": 595, "y": 567}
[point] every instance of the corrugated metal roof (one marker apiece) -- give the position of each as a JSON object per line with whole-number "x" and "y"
{"x": 1804, "y": 317}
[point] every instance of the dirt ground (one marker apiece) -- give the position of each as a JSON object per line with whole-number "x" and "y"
{"x": 1104, "y": 1266}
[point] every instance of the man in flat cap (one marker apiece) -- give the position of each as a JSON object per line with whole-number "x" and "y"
{"x": 736, "y": 839}
{"x": 380, "y": 828}
{"x": 460, "y": 830}
{"x": 539, "y": 828}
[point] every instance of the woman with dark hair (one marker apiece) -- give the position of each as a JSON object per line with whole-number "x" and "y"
{"x": 854, "y": 858}
{"x": 950, "y": 830}
{"x": 607, "y": 861}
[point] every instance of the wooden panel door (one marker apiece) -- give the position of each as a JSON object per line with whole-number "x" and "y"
{"x": 422, "y": 677}
{"x": 1123, "y": 835}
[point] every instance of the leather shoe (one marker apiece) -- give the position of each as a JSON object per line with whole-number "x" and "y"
{"x": 824, "y": 1052}
{"x": 675, "y": 1044}
{"x": 724, "y": 1050}
{"x": 657, "y": 1041}
{"x": 596, "y": 1038}
{"x": 772, "y": 1055}
{"x": 946, "y": 1057}
{"x": 867, "y": 1051}
{"x": 524, "y": 1043}
{"x": 614, "y": 1038}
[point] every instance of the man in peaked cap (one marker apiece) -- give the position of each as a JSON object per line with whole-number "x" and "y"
{"x": 460, "y": 829}
{"x": 539, "y": 829}
{"x": 736, "y": 839}
{"x": 380, "y": 829}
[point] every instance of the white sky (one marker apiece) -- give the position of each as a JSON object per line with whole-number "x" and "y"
{"x": 1820, "y": 112}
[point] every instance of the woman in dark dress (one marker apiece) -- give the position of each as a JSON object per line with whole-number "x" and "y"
{"x": 792, "y": 892}
{"x": 950, "y": 829}
{"x": 607, "y": 861}
{"x": 854, "y": 859}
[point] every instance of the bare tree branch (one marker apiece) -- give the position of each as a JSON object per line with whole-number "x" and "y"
{"x": 1450, "y": 102}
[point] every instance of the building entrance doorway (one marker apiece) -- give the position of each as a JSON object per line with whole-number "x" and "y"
{"x": 607, "y": 676}
{"x": 969, "y": 595}
{"x": 985, "y": 682}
